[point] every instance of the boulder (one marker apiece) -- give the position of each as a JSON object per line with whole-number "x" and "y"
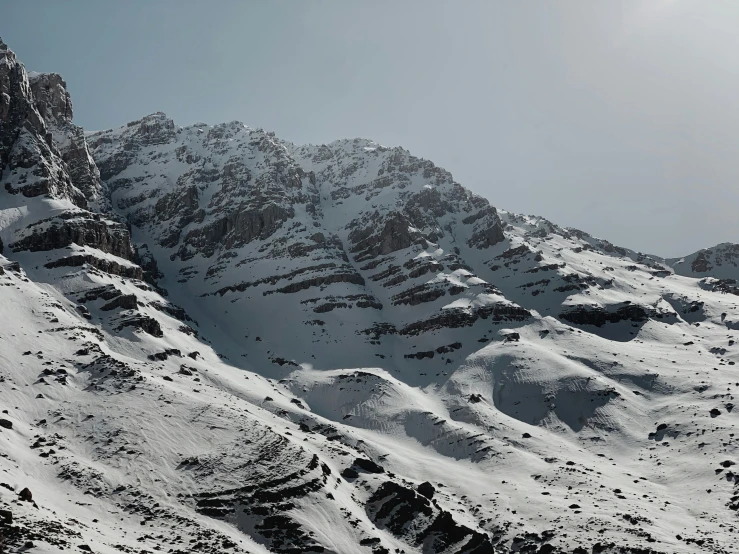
{"x": 426, "y": 489}
{"x": 368, "y": 465}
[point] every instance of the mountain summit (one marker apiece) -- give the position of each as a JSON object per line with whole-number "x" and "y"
{"x": 215, "y": 340}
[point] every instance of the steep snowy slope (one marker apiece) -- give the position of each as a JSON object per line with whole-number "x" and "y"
{"x": 214, "y": 340}
{"x": 241, "y": 221}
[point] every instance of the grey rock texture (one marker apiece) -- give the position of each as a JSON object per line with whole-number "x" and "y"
{"x": 29, "y": 160}
{"x": 60, "y": 232}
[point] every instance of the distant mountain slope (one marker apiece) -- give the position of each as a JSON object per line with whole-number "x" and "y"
{"x": 721, "y": 261}
{"x": 213, "y": 340}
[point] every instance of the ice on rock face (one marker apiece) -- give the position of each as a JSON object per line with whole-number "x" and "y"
{"x": 213, "y": 339}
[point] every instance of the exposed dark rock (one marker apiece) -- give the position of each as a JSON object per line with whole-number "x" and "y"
{"x": 598, "y": 316}
{"x": 426, "y": 489}
{"x": 459, "y": 317}
{"x": 379, "y": 329}
{"x": 701, "y": 264}
{"x": 349, "y": 473}
{"x": 124, "y": 302}
{"x": 106, "y": 292}
{"x": 354, "y": 278}
{"x": 396, "y": 507}
{"x": 175, "y": 311}
{"x": 143, "y": 322}
{"x": 274, "y": 279}
{"x": 51, "y": 97}
{"x": 80, "y": 229}
{"x": 514, "y": 252}
{"x": 368, "y": 465}
{"x": 264, "y": 500}
{"x": 420, "y": 355}
{"x": 413, "y": 518}
{"x": 108, "y": 266}
{"x": 419, "y": 294}
{"x": 488, "y": 229}
{"x": 25, "y": 139}
{"x": 394, "y": 235}
{"x": 161, "y": 356}
{"x": 449, "y": 348}
{"x": 282, "y": 361}
{"x": 55, "y": 106}
{"x": 242, "y": 225}
{"x": 728, "y": 286}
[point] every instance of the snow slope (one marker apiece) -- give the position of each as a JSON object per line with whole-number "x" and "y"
{"x": 215, "y": 340}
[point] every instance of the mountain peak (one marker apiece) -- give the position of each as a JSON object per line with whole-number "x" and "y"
{"x": 52, "y": 98}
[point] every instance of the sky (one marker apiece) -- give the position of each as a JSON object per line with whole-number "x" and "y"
{"x": 619, "y": 118}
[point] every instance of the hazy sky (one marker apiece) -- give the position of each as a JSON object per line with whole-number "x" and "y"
{"x": 620, "y": 118}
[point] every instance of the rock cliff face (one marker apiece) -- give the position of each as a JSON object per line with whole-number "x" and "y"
{"x": 29, "y": 159}
{"x": 239, "y": 216}
{"x": 47, "y": 167}
{"x": 55, "y": 106}
{"x": 76, "y": 228}
{"x": 51, "y": 98}
{"x": 338, "y": 348}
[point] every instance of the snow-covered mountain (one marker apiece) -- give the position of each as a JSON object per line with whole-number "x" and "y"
{"x": 214, "y": 340}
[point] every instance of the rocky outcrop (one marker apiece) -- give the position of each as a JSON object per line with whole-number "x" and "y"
{"x": 107, "y": 292}
{"x": 80, "y": 228}
{"x": 123, "y": 302}
{"x": 144, "y": 323}
{"x": 727, "y": 286}
{"x": 382, "y": 235}
{"x": 720, "y": 261}
{"x": 700, "y": 264}
{"x": 487, "y": 229}
{"x": 16, "y": 107}
{"x": 108, "y": 266}
{"x": 264, "y": 501}
{"x": 453, "y": 318}
{"x": 51, "y": 98}
{"x": 599, "y": 316}
{"x": 350, "y": 277}
{"x": 419, "y": 294}
{"x": 152, "y": 130}
{"x": 81, "y": 167}
{"x": 29, "y": 159}
{"x": 54, "y": 104}
{"x": 420, "y": 522}
{"x": 241, "y": 226}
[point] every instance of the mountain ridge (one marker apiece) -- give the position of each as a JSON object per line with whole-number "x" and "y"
{"x": 371, "y": 143}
